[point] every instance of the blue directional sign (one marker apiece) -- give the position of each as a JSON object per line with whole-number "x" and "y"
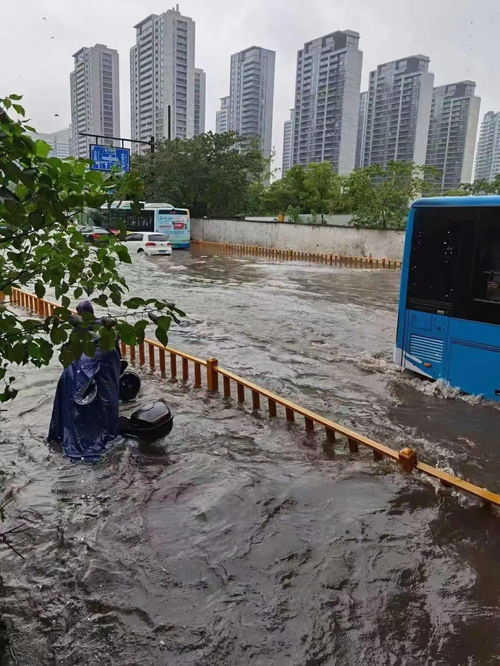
{"x": 104, "y": 158}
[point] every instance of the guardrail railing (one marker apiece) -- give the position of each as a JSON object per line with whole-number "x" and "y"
{"x": 295, "y": 255}
{"x": 178, "y": 365}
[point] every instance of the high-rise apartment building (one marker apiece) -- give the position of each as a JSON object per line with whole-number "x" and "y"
{"x": 95, "y": 96}
{"x": 162, "y": 77}
{"x": 363, "y": 115}
{"x": 488, "y": 148}
{"x": 287, "y": 143}
{"x": 399, "y": 110}
{"x": 199, "y": 101}
{"x": 222, "y": 116}
{"x": 251, "y": 95}
{"x": 452, "y": 132}
{"x": 60, "y": 142}
{"x": 327, "y": 101}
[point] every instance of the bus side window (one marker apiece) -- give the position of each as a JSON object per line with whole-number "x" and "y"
{"x": 486, "y": 279}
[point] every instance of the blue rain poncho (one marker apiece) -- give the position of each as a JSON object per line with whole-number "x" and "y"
{"x": 85, "y": 413}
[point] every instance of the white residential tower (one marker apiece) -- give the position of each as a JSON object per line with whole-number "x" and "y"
{"x": 95, "y": 96}
{"x": 162, "y": 77}
{"x": 327, "y": 92}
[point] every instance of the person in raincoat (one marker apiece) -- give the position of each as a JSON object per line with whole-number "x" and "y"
{"x": 85, "y": 414}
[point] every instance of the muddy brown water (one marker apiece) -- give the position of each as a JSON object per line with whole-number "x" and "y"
{"x": 237, "y": 540}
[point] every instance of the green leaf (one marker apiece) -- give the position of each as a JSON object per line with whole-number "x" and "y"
{"x": 162, "y": 335}
{"x": 77, "y": 292}
{"x": 65, "y": 356}
{"x": 17, "y": 353}
{"x": 19, "y": 109}
{"x": 46, "y": 350}
{"x": 140, "y": 330}
{"x": 107, "y": 339}
{"x": 126, "y": 332}
{"x": 101, "y": 300}
{"x": 134, "y": 303}
{"x": 8, "y": 394}
{"x": 164, "y": 322}
{"x": 116, "y": 297}
{"x": 39, "y": 289}
{"x": 123, "y": 254}
{"x": 65, "y": 301}
{"x": 58, "y": 335}
{"x": 42, "y": 149}
{"x": 89, "y": 348}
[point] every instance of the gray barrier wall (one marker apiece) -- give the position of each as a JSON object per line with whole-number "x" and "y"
{"x": 345, "y": 241}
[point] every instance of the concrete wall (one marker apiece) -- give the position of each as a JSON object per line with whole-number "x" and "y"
{"x": 308, "y": 218}
{"x": 346, "y": 241}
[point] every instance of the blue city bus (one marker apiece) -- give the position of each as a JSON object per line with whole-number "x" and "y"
{"x": 449, "y": 306}
{"x": 162, "y": 218}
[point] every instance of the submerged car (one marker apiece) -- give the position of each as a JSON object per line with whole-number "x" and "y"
{"x": 93, "y": 234}
{"x": 148, "y": 242}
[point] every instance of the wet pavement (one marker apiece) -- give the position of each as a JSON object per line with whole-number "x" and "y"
{"x": 237, "y": 540}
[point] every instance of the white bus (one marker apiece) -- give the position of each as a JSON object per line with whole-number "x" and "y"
{"x": 162, "y": 218}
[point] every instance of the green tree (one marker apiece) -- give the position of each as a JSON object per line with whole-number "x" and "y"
{"x": 314, "y": 188}
{"x": 477, "y": 187}
{"x": 285, "y": 193}
{"x": 42, "y": 249}
{"x": 208, "y": 174}
{"x": 379, "y": 196}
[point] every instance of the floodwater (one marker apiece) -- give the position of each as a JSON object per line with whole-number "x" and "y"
{"x": 237, "y": 540}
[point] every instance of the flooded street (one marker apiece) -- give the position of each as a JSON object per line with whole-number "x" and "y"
{"x": 236, "y": 540}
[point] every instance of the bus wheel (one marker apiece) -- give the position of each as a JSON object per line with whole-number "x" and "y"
{"x": 140, "y": 250}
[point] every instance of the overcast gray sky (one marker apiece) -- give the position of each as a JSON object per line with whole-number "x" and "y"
{"x": 460, "y": 36}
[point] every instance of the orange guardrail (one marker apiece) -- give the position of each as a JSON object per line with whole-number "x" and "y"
{"x": 186, "y": 367}
{"x": 295, "y": 255}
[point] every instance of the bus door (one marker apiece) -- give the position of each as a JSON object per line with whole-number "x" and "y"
{"x": 475, "y": 335}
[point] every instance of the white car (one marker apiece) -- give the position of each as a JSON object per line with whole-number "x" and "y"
{"x": 149, "y": 242}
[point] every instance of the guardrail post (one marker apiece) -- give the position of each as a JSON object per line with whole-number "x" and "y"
{"x": 353, "y": 445}
{"x": 173, "y": 365}
{"x": 142, "y": 359}
{"x": 408, "y": 459}
{"x": 162, "y": 357}
{"x": 212, "y": 376}
{"x": 272, "y": 407}
{"x": 151, "y": 353}
{"x": 197, "y": 375}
